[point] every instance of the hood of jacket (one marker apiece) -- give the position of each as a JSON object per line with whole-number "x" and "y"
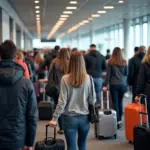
{"x": 10, "y": 72}
{"x": 95, "y": 53}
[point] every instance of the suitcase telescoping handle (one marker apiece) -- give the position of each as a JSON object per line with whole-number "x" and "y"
{"x": 102, "y": 99}
{"x": 47, "y": 132}
{"x": 146, "y": 111}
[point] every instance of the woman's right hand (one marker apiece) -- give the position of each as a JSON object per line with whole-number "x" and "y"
{"x": 53, "y": 123}
{"x": 104, "y": 89}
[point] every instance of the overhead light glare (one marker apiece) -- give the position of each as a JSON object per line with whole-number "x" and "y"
{"x": 101, "y": 12}
{"x": 37, "y": 7}
{"x": 67, "y": 12}
{"x": 90, "y": 18}
{"x": 71, "y": 8}
{"x": 63, "y": 19}
{"x": 37, "y": 16}
{"x": 121, "y": 2}
{"x": 37, "y": 11}
{"x": 85, "y": 21}
{"x": 95, "y": 15}
{"x": 73, "y": 2}
{"x": 36, "y": 2}
{"x": 81, "y": 23}
{"x": 64, "y": 16}
{"x": 108, "y": 7}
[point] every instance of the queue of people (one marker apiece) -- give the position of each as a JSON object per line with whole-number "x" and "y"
{"x": 80, "y": 83}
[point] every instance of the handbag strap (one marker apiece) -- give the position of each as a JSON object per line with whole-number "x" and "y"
{"x": 91, "y": 82}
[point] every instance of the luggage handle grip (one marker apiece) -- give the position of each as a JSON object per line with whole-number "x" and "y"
{"x": 47, "y": 132}
{"x": 102, "y": 99}
{"x": 146, "y": 110}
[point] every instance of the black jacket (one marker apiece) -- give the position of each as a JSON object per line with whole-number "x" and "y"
{"x": 18, "y": 107}
{"x": 134, "y": 67}
{"x": 95, "y": 64}
{"x": 143, "y": 85}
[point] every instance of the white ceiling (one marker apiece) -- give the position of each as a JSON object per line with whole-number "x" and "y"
{"x": 52, "y": 9}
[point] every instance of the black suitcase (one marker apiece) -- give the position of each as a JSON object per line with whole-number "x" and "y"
{"x": 142, "y": 132}
{"x": 46, "y": 108}
{"x": 50, "y": 143}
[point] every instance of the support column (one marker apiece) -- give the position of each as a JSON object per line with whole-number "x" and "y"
{"x": 91, "y": 33}
{"x": 5, "y": 26}
{"x": 126, "y": 28}
{"x": 148, "y": 38}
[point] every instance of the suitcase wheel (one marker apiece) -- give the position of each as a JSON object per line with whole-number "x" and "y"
{"x": 115, "y": 136}
{"x": 100, "y": 137}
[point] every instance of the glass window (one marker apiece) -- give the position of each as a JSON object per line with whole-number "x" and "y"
{"x": 131, "y": 45}
{"x": 116, "y": 38}
{"x": 137, "y": 35}
{"x": 121, "y": 38}
{"x": 145, "y": 30}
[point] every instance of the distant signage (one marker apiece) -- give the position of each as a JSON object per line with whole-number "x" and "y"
{"x": 45, "y": 40}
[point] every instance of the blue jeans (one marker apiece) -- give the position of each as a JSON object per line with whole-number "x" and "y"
{"x": 117, "y": 93}
{"x": 73, "y": 125}
{"x": 98, "y": 87}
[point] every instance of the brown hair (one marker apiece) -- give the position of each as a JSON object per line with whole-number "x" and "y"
{"x": 63, "y": 57}
{"x": 77, "y": 71}
{"x": 146, "y": 59}
{"x": 19, "y": 55}
{"x": 117, "y": 57}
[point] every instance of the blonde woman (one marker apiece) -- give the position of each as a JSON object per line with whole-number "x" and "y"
{"x": 143, "y": 85}
{"x": 19, "y": 58}
{"x": 61, "y": 63}
{"x": 116, "y": 79}
{"x": 75, "y": 96}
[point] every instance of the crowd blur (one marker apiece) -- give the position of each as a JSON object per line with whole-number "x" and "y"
{"x": 77, "y": 70}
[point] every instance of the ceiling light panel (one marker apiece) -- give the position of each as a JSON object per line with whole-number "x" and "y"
{"x": 36, "y": 2}
{"x": 67, "y": 12}
{"x": 73, "y": 2}
{"x": 101, "y": 12}
{"x": 108, "y": 7}
{"x": 95, "y": 15}
{"x": 71, "y": 8}
{"x": 121, "y": 2}
{"x": 37, "y": 11}
{"x": 64, "y": 16}
{"x": 37, "y": 7}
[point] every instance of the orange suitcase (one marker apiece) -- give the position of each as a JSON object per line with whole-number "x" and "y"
{"x": 132, "y": 118}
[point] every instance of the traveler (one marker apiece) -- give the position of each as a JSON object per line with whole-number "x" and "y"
{"x": 61, "y": 63}
{"x": 134, "y": 67}
{"x": 108, "y": 55}
{"x": 19, "y": 58}
{"x": 18, "y": 112}
{"x": 75, "y": 96}
{"x": 116, "y": 79}
{"x": 95, "y": 65}
{"x": 143, "y": 84}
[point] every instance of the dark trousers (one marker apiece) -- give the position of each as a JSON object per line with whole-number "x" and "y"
{"x": 117, "y": 93}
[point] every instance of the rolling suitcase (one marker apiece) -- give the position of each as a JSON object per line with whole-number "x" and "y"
{"x": 50, "y": 143}
{"x": 132, "y": 119}
{"x": 46, "y": 108}
{"x": 142, "y": 131}
{"x": 107, "y": 125}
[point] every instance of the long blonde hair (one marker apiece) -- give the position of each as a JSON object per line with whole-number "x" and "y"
{"x": 77, "y": 71}
{"x": 146, "y": 59}
{"x": 117, "y": 57}
{"x": 19, "y": 55}
{"x": 63, "y": 58}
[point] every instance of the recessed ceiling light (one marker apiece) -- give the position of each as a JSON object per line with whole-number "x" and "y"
{"x": 37, "y": 15}
{"x": 85, "y": 21}
{"x": 108, "y": 7}
{"x": 37, "y": 18}
{"x": 101, "y": 12}
{"x": 121, "y": 1}
{"x": 90, "y": 18}
{"x": 81, "y": 23}
{"x": 60, "y": 22}
{"x": 95, "y": 15}
{"x": 37, "y": 7}
{"x": 71, "y": 8}
{"x": 73, "y": 2}
{"x": 64, "y": 16}
{"x": 37, "y": 11}
{"x": 36, "y": 2}
{"x": 67, "y": 12}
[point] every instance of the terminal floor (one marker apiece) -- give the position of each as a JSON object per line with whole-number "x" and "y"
{"x": 93, "y": 144}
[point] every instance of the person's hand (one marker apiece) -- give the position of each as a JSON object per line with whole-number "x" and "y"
{"x": 104, "y": 89}
{"x": 53, "y": 123}
{"x": 136, "y": 99}
{"x": 27, "y": 148}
